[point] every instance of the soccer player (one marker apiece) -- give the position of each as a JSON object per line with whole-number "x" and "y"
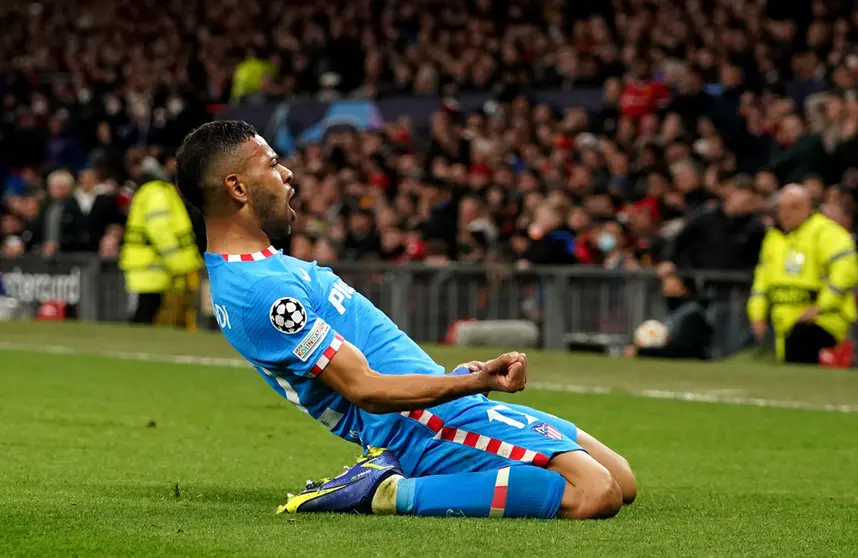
{"x": 448, "y": 449}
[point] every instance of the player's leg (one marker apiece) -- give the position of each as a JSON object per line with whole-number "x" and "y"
{"x": 615, "y": 463}
{"x": 486, "y": 460}
{"x": 487, "y": 435}
{"x": 377, "y": 485}
{"x": 591, "y": 492}
{"x": 511, "y": 491}
{"x": 608, "y": 458}
{"x": 572, "y": 486}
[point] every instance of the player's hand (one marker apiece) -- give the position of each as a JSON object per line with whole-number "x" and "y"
{"x": 507, "y": 373}
{"x": 473, "y": 366}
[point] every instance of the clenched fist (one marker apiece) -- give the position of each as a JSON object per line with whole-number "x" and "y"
{"x": 507, "y": 373}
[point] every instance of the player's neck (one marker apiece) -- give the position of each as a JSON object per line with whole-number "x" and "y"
{"x": 234, "y": 236}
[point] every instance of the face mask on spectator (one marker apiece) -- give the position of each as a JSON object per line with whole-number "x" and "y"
{"x": 607, "y": 242}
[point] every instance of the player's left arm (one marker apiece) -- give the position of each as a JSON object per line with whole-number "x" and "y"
{"x": 350, "y": 375}
{"x": 290, "y": 338}
{"x": 838, "y": 256}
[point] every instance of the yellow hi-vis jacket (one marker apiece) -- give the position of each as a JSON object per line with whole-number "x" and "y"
{"x": 159, "y": 252}
{"x": 815, "y": 264}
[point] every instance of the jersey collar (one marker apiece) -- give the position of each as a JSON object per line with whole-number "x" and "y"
{"x": 252, "y": 257}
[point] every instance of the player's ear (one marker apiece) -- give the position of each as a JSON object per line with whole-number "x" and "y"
{"x": 235, "y": 188}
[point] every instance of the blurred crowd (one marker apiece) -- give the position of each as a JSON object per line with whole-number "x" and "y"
{"x": 709, "y": 107}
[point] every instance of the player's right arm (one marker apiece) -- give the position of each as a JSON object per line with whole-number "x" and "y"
{"x": 288, "y": 337}
{"x": 350, "y": 375}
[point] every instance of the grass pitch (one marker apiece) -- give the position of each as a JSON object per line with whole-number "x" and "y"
{"x": 120, "y": 456}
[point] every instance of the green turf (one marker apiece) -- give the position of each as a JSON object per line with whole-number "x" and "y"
{"x": 92, "y": 449}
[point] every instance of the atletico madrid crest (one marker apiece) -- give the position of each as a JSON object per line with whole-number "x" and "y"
{"x": 547, "y": 430}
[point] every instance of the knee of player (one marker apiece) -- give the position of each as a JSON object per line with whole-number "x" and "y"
{"x": 599, "y": 497}
{"x": 611, "y": 499}
{"x": 603, "y": 498}
{"x": 625, "y": 477}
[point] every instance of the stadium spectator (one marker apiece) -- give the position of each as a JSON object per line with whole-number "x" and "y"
{"x": 60, "y": 226}
{"x": 796, "y": 154}
{"x": 731, "y": 225}
{"x": 551, "y": 243}
{"x": 694, "y": 93}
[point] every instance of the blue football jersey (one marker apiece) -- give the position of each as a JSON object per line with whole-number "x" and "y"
{"x": 289, "y": 318}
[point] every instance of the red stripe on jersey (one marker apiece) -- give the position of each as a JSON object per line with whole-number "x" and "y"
{"x": 329, "y": 352}
{"x": 471, "y": 439}
{"x": 255, "y": 256}
{"x": 416, "y": 414}
{"x": 327, "y": 355}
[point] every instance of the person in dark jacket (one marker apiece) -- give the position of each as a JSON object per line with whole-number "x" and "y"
{"x": 690, "y": 102}
{"x": 551, "y": 243}
{"x": 722, "y": 236}
{"x": 60, "y": 226}
{"x": 796, "y": 154}
{"x": 362, "y": 239}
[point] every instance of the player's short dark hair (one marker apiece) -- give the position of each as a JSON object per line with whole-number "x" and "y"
{"x": 200, "y": 150}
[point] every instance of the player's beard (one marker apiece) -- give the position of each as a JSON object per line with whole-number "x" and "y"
{"x": 273, "y": 213}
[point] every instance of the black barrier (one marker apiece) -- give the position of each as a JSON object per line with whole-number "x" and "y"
{"x": 571, "y": 306}
{"x": 33, "y": 281}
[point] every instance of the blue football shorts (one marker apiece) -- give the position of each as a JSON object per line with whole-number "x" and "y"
{"x": 472, "y": 434}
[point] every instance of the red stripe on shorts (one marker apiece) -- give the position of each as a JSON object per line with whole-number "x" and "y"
{"x": 435, "y": 424}
{"x": 517, "y": 453}
{"x": 472, "y": 439}
{"x": 494, "y": 446}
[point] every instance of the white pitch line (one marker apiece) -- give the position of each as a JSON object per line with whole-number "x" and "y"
{"x": 694, "y": 397}
{"x": 697, "y": 397}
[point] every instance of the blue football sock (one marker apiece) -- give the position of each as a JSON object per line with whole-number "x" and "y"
{"x": 519, "y": 491}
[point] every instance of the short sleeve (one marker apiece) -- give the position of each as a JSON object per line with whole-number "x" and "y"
{"x": 281, "y": 324}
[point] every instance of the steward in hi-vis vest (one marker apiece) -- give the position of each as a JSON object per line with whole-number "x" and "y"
{"x": 159, "y": 253}
{"x": 804, "y": 281}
